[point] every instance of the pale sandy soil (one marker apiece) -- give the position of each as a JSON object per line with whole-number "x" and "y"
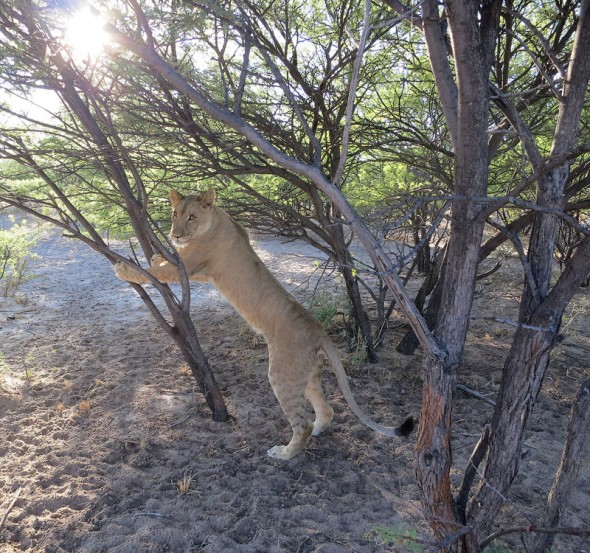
{"x": 100, "y": 424}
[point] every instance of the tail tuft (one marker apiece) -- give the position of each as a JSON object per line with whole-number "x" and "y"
{"x": 407, "y": 427}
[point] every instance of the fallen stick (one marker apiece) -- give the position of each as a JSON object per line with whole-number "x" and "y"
{"x": 475, "y": 393}
{"x": 14, "y": 499}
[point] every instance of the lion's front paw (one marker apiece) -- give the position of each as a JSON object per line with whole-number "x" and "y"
{"x": 157, "y": 260}
{"x": 124, "y": 272}
{"x": 120, "y": 270}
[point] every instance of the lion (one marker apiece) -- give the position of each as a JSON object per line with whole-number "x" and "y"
{"x": 214, "y": 248}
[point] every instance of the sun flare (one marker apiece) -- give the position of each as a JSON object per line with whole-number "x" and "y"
{"x": 85, "y": 34}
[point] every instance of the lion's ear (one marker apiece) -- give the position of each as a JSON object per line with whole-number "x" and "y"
{"x": 207, "y": 199}
{"x": 175, "y": 197}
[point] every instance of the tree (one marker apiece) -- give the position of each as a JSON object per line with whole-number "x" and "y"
{"x": 466, "y": 109}
{"x": 476, "y": 79}
{"x": 542, "y": 306}
{"x": 465, "y": 104}
{"x": 91, "y": 124}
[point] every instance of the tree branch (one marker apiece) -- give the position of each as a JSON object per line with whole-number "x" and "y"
{"x": 313, "y": 173}
{"x": 352, "y": 88}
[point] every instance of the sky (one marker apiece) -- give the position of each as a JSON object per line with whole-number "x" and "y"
{"x": 84, "y": 34}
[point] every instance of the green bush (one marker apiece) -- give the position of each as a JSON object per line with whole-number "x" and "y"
{"x": 325, "y": 305}
{"x": 16, "y": 253}
{"x": 399, "y": 536}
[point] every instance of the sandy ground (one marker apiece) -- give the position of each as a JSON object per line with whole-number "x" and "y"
{"x": 106, "y": 445}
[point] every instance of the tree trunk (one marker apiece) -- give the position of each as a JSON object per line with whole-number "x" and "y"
{"x": 345, "y": 263}
{"x": 364, "y": 334}
{"x": 571, "y": 458}
{"x": 540, "y": 309}
{"x": 186, "y": 338}
{"x": 114, "y": 158}
{"x": 522, "y": 377}
{"x": 433, "y": 449}
{"x": 432, "y": 285}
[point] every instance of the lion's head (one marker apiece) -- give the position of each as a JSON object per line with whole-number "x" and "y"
{"x": 191, "y": 215}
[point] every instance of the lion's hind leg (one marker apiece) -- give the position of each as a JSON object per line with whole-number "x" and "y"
{"x": 315, "y": 394}
{"x": 289, "y": 388}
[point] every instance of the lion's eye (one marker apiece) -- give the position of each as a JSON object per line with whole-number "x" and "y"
{"x": 174, "y": 214}
{"x": 192, "y": 218}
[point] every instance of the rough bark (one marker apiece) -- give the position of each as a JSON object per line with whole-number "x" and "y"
{"x": 190, "y": 347}
{"x": 522, "y": 377}
{"x": 573, "y": 453}
{"x": 433, "y": 449}
{"x": 540, "y": 307}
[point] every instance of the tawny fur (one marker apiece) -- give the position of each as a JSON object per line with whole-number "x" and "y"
{"x": 215, "y": 248}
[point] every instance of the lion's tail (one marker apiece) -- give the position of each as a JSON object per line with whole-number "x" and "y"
{"x": 403, "y": 429}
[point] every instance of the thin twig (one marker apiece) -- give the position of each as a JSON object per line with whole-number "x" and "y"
{"x": 514, "y": 323}
{"x": 504, "y": 498}
{"x": 513, "y": 237}
{"x": 354, "y": 81}
{"x": 10, "y": 506}
{"x": 542, "y": 40}
{"x": 475, "y": 460}
{"x": 181, "y": 421}
{"x": 151, "y": 515}
{"x": 491, "y": 271}
{"x": 402, "y": 15}
{"x": 450, "y": 539}
{"x": 537, "y": 62}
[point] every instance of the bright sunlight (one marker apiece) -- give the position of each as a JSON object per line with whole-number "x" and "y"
{"x": 85, "y": 34}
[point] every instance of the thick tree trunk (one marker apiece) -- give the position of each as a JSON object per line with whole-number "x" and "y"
{"x": 541, "y": 310}
{"x": 522, "y": 377}
{"x": 433, "y": 449}
{"x": 521, "y": 380}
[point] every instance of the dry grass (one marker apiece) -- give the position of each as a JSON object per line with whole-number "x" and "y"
{"x": 84, "y": 406}
{"x": 177, "y": 435}
{"x": 186, "y": 484}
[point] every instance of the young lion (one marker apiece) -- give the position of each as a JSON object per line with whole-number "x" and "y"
{"x": 215, "y": 248}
